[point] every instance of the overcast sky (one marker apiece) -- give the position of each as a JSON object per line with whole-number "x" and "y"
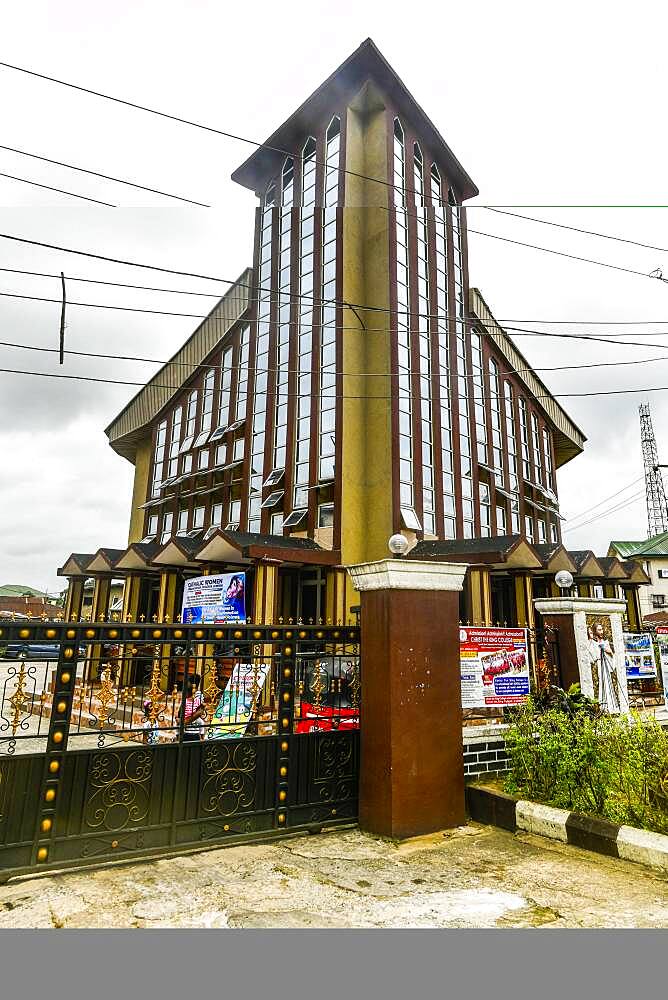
{"x": 545, "y": 106}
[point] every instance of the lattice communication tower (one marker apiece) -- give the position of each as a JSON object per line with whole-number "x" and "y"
{"x": 657, "y": 511}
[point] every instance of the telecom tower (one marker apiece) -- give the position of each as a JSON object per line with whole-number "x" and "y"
{"x": 657, "y": 512}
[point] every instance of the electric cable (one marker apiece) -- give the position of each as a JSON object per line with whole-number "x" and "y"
{"x": 107, "y": 177}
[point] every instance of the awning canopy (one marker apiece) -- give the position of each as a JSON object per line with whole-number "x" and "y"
{"x": 504, "y": 551}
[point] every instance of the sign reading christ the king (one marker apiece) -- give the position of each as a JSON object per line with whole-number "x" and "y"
{"x": 494, "y": 666}
{"x": 214, "y": 600}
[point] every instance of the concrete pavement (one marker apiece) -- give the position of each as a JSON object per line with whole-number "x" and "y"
{"x": 473, "y": 877}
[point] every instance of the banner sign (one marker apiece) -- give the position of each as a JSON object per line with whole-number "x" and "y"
{"x": 662, "y": 639}
{"x": 639, "y": 655}
{"x": 233, "y": 712}
{"x": 494, "y": 666}
{"x": 214, "y": 600}
{"x": 320, "y": 719}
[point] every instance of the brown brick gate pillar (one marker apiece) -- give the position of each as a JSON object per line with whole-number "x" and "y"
{"x": 411, "y": 769}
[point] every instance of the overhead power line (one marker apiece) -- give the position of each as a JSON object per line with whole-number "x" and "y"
{"x": 215, "y": 295}
{"x": 106, "y": 177}
{"x": 576, "y": 517}
{"x": 49, "y": 187}
{"x": 569, "y": 256}
{"x": 254, "y": 142}
{"x": 295, "y": 371}
{"x": 370, "y": 396}
{"x": 233, "y": 282}
{"x": 518, "y": 331}
{"x": 574, "y": 229}
{"x": 606, "y": 513}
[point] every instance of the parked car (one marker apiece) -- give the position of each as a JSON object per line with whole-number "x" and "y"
{"x": 36, "y": 651}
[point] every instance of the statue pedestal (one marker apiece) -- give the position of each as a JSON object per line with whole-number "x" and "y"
{"x": 411, "y": 745}
{"x": 591, "y": 644}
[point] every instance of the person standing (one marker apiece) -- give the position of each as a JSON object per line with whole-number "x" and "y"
{"x": 194, "y": 712}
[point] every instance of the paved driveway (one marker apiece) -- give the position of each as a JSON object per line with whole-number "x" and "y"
{"x": 474, "y": 877}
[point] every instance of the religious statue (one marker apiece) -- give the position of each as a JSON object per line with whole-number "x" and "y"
{"x": 604, "y": 675}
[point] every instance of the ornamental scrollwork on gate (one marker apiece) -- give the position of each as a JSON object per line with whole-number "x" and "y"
{"x": 334, "y": 757}
{"x": 228, "y": 778}
{"x": 119, "y": 790}
{"x": 334, "y": 775}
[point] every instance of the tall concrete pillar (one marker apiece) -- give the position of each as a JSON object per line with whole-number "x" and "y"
{"x": 412, "y": 768}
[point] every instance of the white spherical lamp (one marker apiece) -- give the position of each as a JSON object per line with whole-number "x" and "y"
{"x": 398, "y": 545}
{"x": 563, "y": 579}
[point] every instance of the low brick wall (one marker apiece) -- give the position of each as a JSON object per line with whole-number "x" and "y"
{"x": 484, "y": 751}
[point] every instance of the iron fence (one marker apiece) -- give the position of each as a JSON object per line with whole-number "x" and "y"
{"x": 122, "y": 737}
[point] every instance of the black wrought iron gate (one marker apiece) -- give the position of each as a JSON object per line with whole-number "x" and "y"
{"x": 130, "y": 739}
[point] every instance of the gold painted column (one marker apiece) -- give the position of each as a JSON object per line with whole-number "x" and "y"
{"x": 101, "y": 596}
{"x": 74, "y": 598}
{"x": 584, "y": 588}
{"x": 265, "y": 592}
{"x": 609, "y": 590}
{"x": 131, "y": 592}
{"x": 524, "y": 600}
{"x": 632, "y": 608}
{"x": 336, "y": 604}
{"x": 167, "y": 599}
{"x": 478, "y": 591}
{"x": 365, "y": 460}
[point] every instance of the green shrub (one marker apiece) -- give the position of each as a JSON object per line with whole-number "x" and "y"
{"x": 565, "y": 752}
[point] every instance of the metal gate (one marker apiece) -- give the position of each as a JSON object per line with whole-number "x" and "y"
{"x": 131, "y": 739}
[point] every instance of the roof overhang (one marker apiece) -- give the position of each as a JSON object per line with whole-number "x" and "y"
{"x": 104, "y": 561}
{"x": 503, "y": 552}
{"x": 635, "y": 572}
{"x": 75, "y": 564}
{"x": 568, "y": 438}
{"x": 557, "y": 559}
{"x": 368, "y": 71}
{"x": 178, "y": 552}
{"x": 241, "y": 547}
{"x": 587, "y": 565}
{"x": 138, "y": 556}
{"x": 613, "y": 568}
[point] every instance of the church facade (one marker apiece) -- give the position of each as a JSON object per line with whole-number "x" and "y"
{"x": 350, "y": 385}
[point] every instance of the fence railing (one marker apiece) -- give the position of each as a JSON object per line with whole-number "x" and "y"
{"x": 108, "y": 683}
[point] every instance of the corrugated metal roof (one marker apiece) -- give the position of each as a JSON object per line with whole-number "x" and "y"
{"x": 656, "y": 546}
{"x": 125, "y": 430}
{"x": 569, "y": 439}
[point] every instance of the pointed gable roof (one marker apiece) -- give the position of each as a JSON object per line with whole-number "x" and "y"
{"x": 365, "y": 64}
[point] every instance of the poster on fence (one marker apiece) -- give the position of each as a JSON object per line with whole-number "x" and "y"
{"x": 235, "y": 708}
{"x": 639, "y": 655}
{"x": 214, "y": 600}
{"x": 662, "y": 639}
{"x": 494, "y": 666}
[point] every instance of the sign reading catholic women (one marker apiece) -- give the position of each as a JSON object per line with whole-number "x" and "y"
{"x": 214, "y": 600}
{"x": 494, "y": 666}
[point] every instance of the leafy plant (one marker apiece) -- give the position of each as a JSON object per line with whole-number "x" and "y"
{"x": 564, "y": 751}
